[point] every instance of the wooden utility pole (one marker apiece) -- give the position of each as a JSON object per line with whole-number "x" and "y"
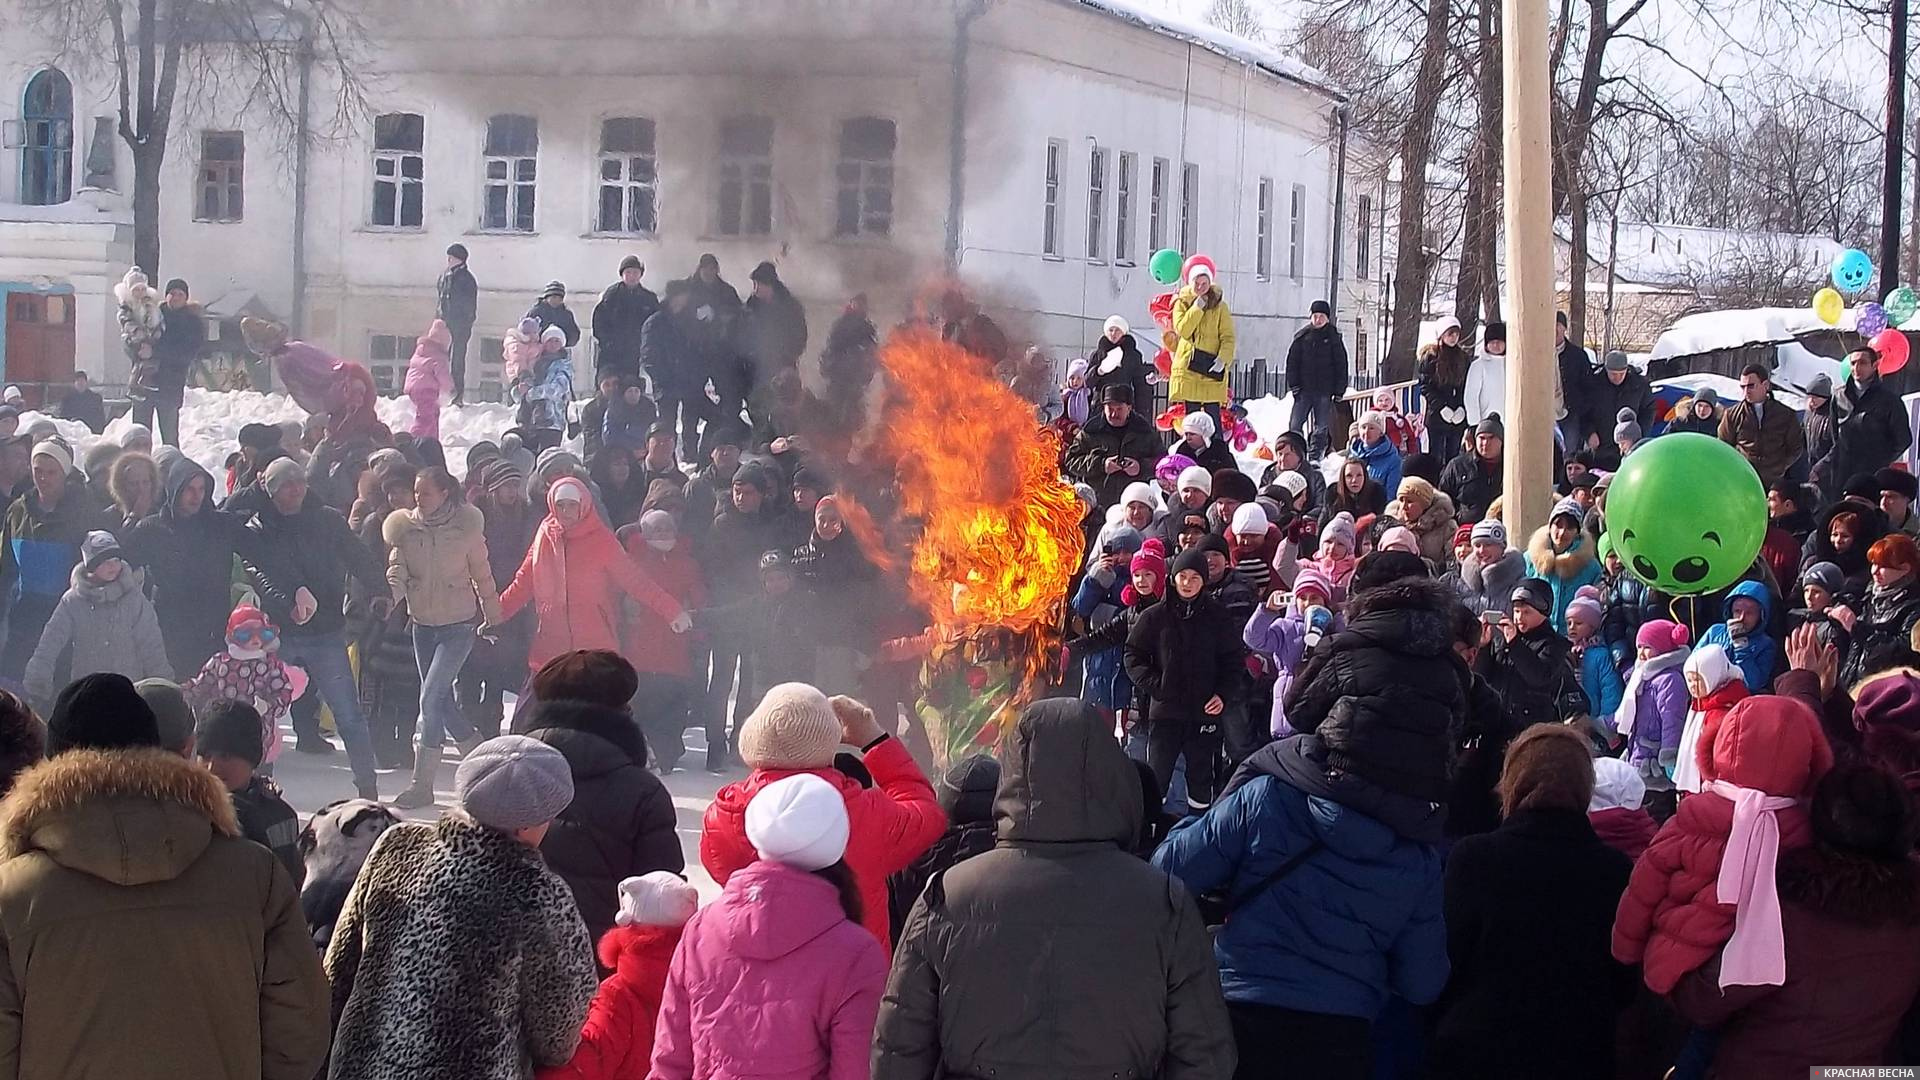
{"x": 1896, "y": 157}
{"x": 1532, "y": 366}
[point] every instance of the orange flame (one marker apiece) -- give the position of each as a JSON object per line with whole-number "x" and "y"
{"x": 1000, "y": 535}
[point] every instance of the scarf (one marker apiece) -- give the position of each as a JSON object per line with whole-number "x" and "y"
{"x": 1624, "y": 716}
{"x": 1756, "y": 954}
{"x": 440, "y": 517}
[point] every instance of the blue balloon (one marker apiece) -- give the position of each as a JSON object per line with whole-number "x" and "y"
{"x": 1852, "y": 270}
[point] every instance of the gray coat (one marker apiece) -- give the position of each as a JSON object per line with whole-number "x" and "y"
{"x": 1491, "y": 588}
{"x": 111, "y": 627}
{"x": 1057, "y": 954}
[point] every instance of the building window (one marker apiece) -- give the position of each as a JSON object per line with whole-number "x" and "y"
{"x": 863, "y": 181}
{"x": 46, "y": 140}
{"x": 1157, "y": 206}
{"x": 513, "y": 162}
{"x": 492, "y": 349}
{"x": 399, "y": 170}
{"x": 1360, "y": 350}
{"x": 1189, "y": 207}
{"x": 1123, "y": 209}
{"x": 1096, "y": 203}
{"x": 1362, "y": 234}
{"x": 1263, "y": 237}
{"x": 387, "y": 356}
{"x": 1297, "y": 232}
{"x": 1050, "y": 220}
{"x": 629, "y": 190}
{"x": 746, "y": 176}
{"x": 222, "y": 176}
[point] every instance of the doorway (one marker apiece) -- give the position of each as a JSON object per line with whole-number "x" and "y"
{"x": 39, "y": 343}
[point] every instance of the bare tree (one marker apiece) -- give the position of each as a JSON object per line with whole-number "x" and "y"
{"x": 1414, "y": 261}
{"x": 167, "y": 55}
{"x": 1240, "y": 17}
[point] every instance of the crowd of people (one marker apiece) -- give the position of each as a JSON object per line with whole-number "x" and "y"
{"x": 1340, "y": 778}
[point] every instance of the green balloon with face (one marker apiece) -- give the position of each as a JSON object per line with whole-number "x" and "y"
{"x": 1686, "y": 514}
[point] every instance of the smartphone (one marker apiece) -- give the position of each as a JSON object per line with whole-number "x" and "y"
{"x": 1491, "y": 618}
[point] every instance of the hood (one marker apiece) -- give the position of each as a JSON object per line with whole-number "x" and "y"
{"x": 1769, "y": 743}
{"x": 1565, "y": 565}
{"x": 1413, "y": 616}
{"x": 1346, "y": 810}
{"x": 180, "y": 472}
{"x": 129, "y": 817}
{"x": 131, "y": 580}
{"x": 967, "y": 788}
{"x": 1756, "y": 592}
{"x": 1063, "y": 779}
{"x": 772, "y": 910}
{"x": 594, "y": 739}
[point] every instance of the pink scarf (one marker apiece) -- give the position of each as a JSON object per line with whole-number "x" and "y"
{"x": 1756, "y": 954}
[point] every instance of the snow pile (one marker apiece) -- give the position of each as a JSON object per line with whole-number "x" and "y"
{"x": 1714, "y": 330}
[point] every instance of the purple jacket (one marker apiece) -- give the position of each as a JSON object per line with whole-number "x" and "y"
{"x": 1660, "y": 714}
{"x": 770, "y": 981}
{"x": 1282, "y": 640}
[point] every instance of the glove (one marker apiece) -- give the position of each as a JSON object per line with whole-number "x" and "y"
{"x": 681, "y": 623}
{"x": 304, "y": 605}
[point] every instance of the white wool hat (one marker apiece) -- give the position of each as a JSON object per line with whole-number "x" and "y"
{"x": 1292, "y": 483}
{"x": 1616, "y": 784}
{"x": 1372, "y": 419}
{"x": 1115, "y": 320}
{"x": 555, "y": 333}
{"x": 1140, "y": 492}
{"x": 1446, "y": 324}
{"x": 13, "y": 395}
{"x": 1711, "y": 663}
{"x": 660, "y": 898}
{"x": 1249, "y": 520}
{"x": 56, "y": 451}
{"x": 1194, "y": 476}
{"x": 1198, "y": 423}
{"x": 800, "y": 821}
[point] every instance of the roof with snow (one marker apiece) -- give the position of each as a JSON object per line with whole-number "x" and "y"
{"x": 1659, "y": 253}
{"x": 1220, "y": 42}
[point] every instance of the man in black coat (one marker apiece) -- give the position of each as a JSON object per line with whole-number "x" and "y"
{"x": 1115, "y": 449}
{"x": 1576, "y": 385}
{"x": 1316, "y": 375}
{"x": 1872, "y": 431}
{"x": 710, "y": 321}
{"x": 83, "y": 404}
{"x": 675, "y": 365}
{"x": 458, "y": 305}
{"x": 619, "y": 318}
{"x": 1620, "y": 386}
{"x": 552, "y": 310}
{"x": 188, "y": 547}
{"x": 183, "y": 333}
{"x": 1476, "y": 477}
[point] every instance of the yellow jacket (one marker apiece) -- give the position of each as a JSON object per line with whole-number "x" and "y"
{"x": 1209, "y": 329}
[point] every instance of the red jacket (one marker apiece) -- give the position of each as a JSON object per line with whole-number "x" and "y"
{"x": 1669, "y": 920}
{"x": 1782, "y": 553}
{"x": 891, "y": 824}
{"x": 651, "y": 645}
{"x": 617, "y": 1042}
{"x": 574, "y": 579}
{"x": 1625, "y": 831}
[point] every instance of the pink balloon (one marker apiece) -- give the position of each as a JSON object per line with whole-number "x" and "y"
{"x": 1893, "y": 349}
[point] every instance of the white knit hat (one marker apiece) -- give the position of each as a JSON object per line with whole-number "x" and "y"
{"x": 1140, "y": 492}
{"x": 1198, "y": 422}
{"x": 1249, "y": 520}
{"x": 792, "y": 728}
{"x": 661, "y": 898}
{"x": 1291, "y": 482}
{"x": 800, "y": 821}
{"x": 56, "y": 451}
{"x": 1115, "y": 320}
{"x": 1194, "y": 476}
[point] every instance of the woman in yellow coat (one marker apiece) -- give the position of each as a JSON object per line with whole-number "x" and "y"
{"x": 1204, "y": 354}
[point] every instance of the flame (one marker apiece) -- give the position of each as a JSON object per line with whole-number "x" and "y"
{"x": 1000, "y": 530}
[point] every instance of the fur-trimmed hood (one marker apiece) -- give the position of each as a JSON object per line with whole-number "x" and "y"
{"x": 1565, "y": 565}
{"x": 131, "y": 817}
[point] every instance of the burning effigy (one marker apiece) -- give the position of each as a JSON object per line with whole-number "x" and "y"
{"x": 998, "y": 534}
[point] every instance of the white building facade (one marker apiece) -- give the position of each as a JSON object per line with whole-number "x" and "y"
{"x": 1040, "y": 150}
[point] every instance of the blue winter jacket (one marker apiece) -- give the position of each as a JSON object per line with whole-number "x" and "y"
{"x": 1602, "y": 682}
{"x": 1382, "y": 461}
{"x": 1755, "y": 655}
{"x": 1107, "y": 685}
{"x": 1359, "y": 921}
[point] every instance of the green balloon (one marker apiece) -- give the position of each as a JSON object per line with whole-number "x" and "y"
{"x": 1687, "y": 514}
{"x": 1165, "y": 266}
{"x": 1901, "y": 303}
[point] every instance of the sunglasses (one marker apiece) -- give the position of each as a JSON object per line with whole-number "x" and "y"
{"x": 263, "y": 634}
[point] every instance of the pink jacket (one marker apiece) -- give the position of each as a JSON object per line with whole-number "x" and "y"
{"x": 771, "y": 981}
{"x": 429, "y": 383}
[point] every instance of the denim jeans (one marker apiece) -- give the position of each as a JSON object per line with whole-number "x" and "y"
{"x": 324, "y": 656}
{"x": 1320, "y": 408}
{"x": 440, "y": 652}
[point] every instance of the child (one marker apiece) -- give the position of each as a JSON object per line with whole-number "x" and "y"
{"x": 617, "y": 1041}
{"x": 544, "y": 394}
{"x": 250, "y": 671}
{"x": 429, "y": 382}
{"x": 1284, "y": 640}
{"x": 140, "y": 326}
{"x": 1715, "y": 685}
{"x": 1076, "y": 397}
{"x": 1188, "y": 664}
{"x": 1529, "y": 665}
{"x": 107, "y": 620}
{"x": 1615, "y": 811}
{"x": 1335, "y": 557}
{"x": 1401, "y": 431}
{"x": 1628, "y": 604}
{"x": 227, "y": 739}
{"x": 1759, "y": 768}
{"x": 1598, "y": 677}
{"x": 1561, "y": 555}
{"x": 1653, "y": 708}
{"x": 1098, "y": 600}
{"x": 1626, "y": 432}
{"x": 630, "y": 416}
{"x": 1372, "y": 448}
{"x": 784, "y": 935}
{"x": 1148, "y": 579}
{"x": 1744, "y": 634}
{"x": 520, "y": 350}
{"x": 1821, "y": 584}
{"x": 1254, "y": 545}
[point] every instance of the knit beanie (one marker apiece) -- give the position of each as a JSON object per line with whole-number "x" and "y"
{"x": 1194, "y": 559}
{"x": 1123, "y": 540}
{"x": 553, "y": 333}
{"x": 1569, "y": 507}
{"x": 1313, "y": 579}
{"x": 1491, "y": 425}
{"x": 1586, "y": 604}
{"x": 439, "y": 334}
{"x": 230, "y": 729}
{"x": 1339, "y": 527}
{"x": 1416, "y": 488}
{"x": 1384, "y": 568}
{"x": 1826, "y": 575}
{"x": 1616, "y": 785}
{"x": 1399, "y": 538}
{"x": 1292, "y": 483}
{"x": 1234, "y": 484}
{"x": 513, "y": 782}
{"x": 1462, "y": 535}
{"x": 1661, "y": 636}
{"x": 1076, "y": 367}
{"x": 1138, "y": 492}
{"x": 1198, "y": 422}
{"x": 280, "y": 473}
{"x": 99, "y": 547}
{"x": 100, "y": 712}
{"x": 793, "y": 727}
{"x": 1628, "y": 428}
{"x": 500, "y": 472}
{"x": 1152, "y": 557}
{"x": 1374, "y": 421}
{"x": 56, "y": 451}
{"x": 170, "y": 711}
{"x": 1250, "y": 520}
{"x": 1886, "y": 712}
{"x": 1534, "y": 593}
{"x": 660, "y": 898}
{"x": 1197, "y": 478}
{"x": 800, "y": 821}
{"x": 1493, "y": 532}
{"x": 1116, "y": 321}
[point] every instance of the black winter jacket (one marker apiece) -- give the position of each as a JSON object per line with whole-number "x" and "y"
{"x": 458, "y": 297}
{"x": 1057, "y": 954}
{"x": 311, "y": 549}
{"x": 548, "y": 315}
{"x": 1606, "y": 401}
{"x": 1181, "y": 652}
{"x": 1317, "y": 362}
{"x": 1576, "y": 390}
{"x": 1131, "y": 371}
{"x": 1387, "y": 696}
{"x": 1872, "y": 431}
{"x": 620, "y": 823}
{"x": 618, "y": 320}
{"x": 1534, "y": 676}
{"x": 1098, "y": 441}
{"x": 966, "y": 794}
{"x": 773, "y": 333}
{"x": 1471, "y": 485}
{"x": 675, "y": 366}
{"x": 189, "y": 563}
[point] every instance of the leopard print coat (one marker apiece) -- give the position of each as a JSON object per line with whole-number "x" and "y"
{"x": 458, "y": 956}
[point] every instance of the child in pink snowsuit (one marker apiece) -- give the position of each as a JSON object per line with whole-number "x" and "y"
{"x": 430, "y": 380}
